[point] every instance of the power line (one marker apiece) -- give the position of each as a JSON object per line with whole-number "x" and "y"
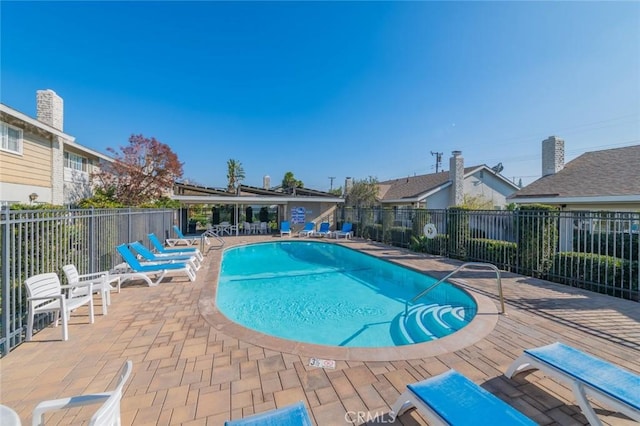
{"x": 331, "y": 178}
{"x": 438, "y": 159}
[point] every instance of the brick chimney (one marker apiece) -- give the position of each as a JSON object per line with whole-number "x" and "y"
{"x": 552, "y": 155}
{"x": 50, "y": 108}
{"x": 456, "y": 176}
{"x": 348, "y": 184}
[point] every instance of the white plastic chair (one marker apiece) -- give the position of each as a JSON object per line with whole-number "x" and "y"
{"x": 44, "y": 294}
{"x": 246, "y": 227}
{"x": 102, "y": 283}
{"x": 108, "y": 414}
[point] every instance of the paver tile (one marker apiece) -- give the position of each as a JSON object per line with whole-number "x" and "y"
{"x": 191, "y": 370}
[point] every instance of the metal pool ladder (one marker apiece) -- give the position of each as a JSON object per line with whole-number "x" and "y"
{"x": 459, "y": 268}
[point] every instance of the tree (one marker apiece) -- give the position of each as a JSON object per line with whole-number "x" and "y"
{"x": 336, "y": 191}
{"x": 235, "y": 174}
{"x": 289, "y": 182}
{"x": 477, "y": 202}
{"x": 143, "y": 172}
{"x": 363, "y": 193}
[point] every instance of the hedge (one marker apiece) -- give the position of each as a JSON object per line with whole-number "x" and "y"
{"x": 603, "y": 274}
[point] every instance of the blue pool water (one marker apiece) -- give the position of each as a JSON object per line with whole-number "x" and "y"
{"x": 328, "y": 294}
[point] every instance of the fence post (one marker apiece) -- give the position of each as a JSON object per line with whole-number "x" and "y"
{"x": 5, "y": 291}
{"x": 92, "y": 240}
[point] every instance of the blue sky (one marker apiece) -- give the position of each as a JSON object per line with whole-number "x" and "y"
{"x": 332, "y": 89}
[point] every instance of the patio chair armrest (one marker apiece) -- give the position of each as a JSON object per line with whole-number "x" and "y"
{"x": 65, "y": 403}
{"x": 86, "y": 284}
{"x": 55, "y": 296}
{"x": 92, "y": 275}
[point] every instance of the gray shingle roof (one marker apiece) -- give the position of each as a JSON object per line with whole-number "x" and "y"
{"x": 414, "y": 186}
{"x": 598, "y": 173}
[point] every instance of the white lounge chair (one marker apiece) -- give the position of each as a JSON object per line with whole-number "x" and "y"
{"x": 587, "y": 376}
{"x": 452, "y": 399}
{"x": 308, "y": 230}
{"x": 285, "y": 228}
{"x": 324, "y": 231}
{"x": 133, "y": 269}
{"x": 102, "y": 282}
{"x": 106, "y": 414}
{"x": 345, "y": 232}
{"x": 187, "y": 240}
{"x": 291, "y": 415}
{"x": 44, "y": 294}
{"x": 157, "y": 245}
{"x": 150, "y": 256}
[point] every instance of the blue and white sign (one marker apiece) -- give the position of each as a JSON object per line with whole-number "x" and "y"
{"x": 298, "y": 214}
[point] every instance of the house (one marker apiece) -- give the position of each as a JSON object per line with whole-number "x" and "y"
{"x": 39, "y": 163}
{"x": 448, "y": 189}
{"x": 607, "y": 180}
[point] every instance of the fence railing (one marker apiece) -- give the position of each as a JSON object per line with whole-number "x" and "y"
{"x": 37, "y": 241}
{"x": 598, "y": 251}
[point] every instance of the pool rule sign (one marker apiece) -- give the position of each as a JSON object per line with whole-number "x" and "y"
{"x": 298, "y": 214}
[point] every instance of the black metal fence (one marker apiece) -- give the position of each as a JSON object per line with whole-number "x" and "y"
{"x": 598, "y": 251}
{"x": 38, "y": 241}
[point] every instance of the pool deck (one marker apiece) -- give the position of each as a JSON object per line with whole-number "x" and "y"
{"x": 192, "y": 367}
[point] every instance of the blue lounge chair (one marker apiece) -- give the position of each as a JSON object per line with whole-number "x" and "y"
{"x": 133, "y": 269}
{"x": 452, "y": 399}
{"x": 324, "y": 230}
{"x": 187, "y": 240}
{"x": 290, "y": 415}
{"x": 285, "y": 228}
{"x": 345, "y": 232}
{"x": 308, "y": 229}
{"x": 587, "y": 376}
{"x": 150, "y": 256}
{"x": 178, "y": 250}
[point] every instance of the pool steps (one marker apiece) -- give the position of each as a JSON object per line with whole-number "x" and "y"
{"x": 425, "y": 322}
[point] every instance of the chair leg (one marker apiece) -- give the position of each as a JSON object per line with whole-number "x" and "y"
{"x": 91, "y": 316}
{"x": 104, "y": 296}
{"x": 30, "y": 324}
{"x": 65, "y": 325}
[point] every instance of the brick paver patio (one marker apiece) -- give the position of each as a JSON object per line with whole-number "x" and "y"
{"x": 189, "y": 369}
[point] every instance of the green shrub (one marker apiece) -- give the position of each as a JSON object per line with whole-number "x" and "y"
{"x": 458, "y": 232}
{"x": 618, "y": 244}
{"x": 437, "y": 245}
{"x": 500, "y": 253}
{"x": 537, "y": 239}
{"x": 595, "y": 272}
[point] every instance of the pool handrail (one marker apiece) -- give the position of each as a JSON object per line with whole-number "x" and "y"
{"x": 459, "y": 268}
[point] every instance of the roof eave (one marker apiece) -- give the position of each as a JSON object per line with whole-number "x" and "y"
{"x": 577, "y": 200}
{"x": 217, "y": 199}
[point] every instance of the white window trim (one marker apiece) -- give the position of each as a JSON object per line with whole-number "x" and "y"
{"x": 83, "y": 161}
{"x": 4, "y": 136}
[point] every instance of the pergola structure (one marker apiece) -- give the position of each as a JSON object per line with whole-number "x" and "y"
{"x": 299, "y": 205}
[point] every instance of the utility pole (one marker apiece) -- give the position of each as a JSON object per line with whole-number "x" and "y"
{"x": 331, "y": 178}
{"x": 438, "y": 159}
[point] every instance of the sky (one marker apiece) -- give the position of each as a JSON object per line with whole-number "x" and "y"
{"x": 329, "y": 90}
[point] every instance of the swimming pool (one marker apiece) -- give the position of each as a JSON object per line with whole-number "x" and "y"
{"x": 327, "y": 294}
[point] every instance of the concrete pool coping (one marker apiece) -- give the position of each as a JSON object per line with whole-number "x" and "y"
{"x": 481, "y": 326}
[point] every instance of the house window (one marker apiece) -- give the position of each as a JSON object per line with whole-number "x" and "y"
{"x": 11, "y": 138}
{"x": 75, "y": 162}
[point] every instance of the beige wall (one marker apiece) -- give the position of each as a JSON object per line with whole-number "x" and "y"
{"x": 33, "y": 167}
{"x": 315, "y": 212}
